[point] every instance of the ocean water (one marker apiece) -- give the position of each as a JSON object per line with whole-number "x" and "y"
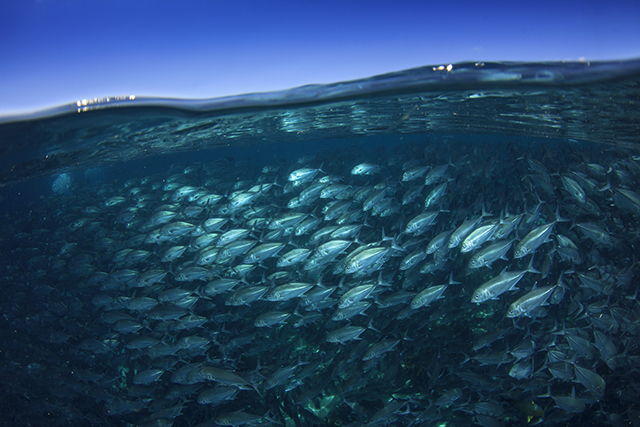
{"x": 127, "y": 295}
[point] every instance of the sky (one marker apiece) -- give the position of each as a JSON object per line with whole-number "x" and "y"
{"x": 60, "y": 51}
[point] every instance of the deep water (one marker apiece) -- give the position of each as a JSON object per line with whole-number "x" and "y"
{"x": 142, "y": 288}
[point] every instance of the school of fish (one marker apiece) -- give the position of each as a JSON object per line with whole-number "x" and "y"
{"x": 455, "y": 284}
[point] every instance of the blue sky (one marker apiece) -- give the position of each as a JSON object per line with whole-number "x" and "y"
{"x": 59, "y": 51}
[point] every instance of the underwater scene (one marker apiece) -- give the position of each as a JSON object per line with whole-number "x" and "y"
{"x": 453, "y": 245}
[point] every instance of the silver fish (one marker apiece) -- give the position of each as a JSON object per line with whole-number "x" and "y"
{"x": 376, "y": 350}
{"x": 271, "y": 318}
{"x": 420, "y": 223}
{"x": 414, "y": 173}
{"x": 217, "y": 395}
{"x": 525, "y": 305}
{"x": 478, "y": 237}
{"x": 533, "y": 240}
{"x": 427, "y": 296}
{"x": 293, "y": 257}
{"x": 365, "y": 169}
{"x": 504, "y": 282}
{"x": 288, "y": 291}
{"x": 345, "y": 334}
{"x": 487, "y": 256}
{"x": 356, "y": 294}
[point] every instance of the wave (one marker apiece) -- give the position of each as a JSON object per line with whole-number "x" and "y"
{"x": 591, "y": 101}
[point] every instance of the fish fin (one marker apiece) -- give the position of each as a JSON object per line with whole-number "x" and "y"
{"x": 300, "y": 362}
{"x": 405, "y": 336}
{"x": 558, "y": 217}
{"x": 606, "y": 187}
{"x": 255, "y": 387}
{"x": 466, "y": 358}
{"x": 365, "y": 223}
{"x": 560, "y": 282}
{"x": 385, "y": 237}
{"x": 530, "y": 268}
{"x": 370, "y": 326}
{"x": 396, "y": 246}
{"x": 290, "y": 242}
{"x": 453, "y": 282}
{"x": 382, "y": 281}
{"x": 484, "y": 212}
{"x": 547, "y": 394}
{"x": 200, "y": 293}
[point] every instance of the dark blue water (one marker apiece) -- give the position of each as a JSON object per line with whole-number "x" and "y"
{"x": 546, "y": 143}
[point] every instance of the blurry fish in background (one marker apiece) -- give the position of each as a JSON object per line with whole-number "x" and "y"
{"x": 63, "y": 184}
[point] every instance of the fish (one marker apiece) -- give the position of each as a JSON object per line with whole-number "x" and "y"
{"x": 534, "y": 239}
{"x": 420, "y": 223}
{"x": 570, "y": 404}
{"x": 271, "y": 318}
{"x": 504, "y": 282}
{"x": 413, "y": 259}
{"x": 415, "y": 173}
{"x": 280, "y": 376}
{"x": 262, "y": 252}
{"x": 593, "y": 382}
{"x": 521, "y": 370}
{"x": 147, "y": 377}
{"x": 478, "y": 237}
{"x": 412, "y": 194}
{"x": 490, "y": 337}
{"x": 194, "y": 294}
{"x": 376, "y": 350}
{"x": 288, "y": 291}
{"x": 355, "y": 294}
{"x": 246, "y": 296}
{"x": 438, "y": 242}
{"x": 435, "y": 195}
{"x": 461, "y": 233}
{"x": 437, "y": 174}
{"x": 345, "y": 334}
{"x": 349, "y": 311}
{"x": 574, "y": 189}
{"x": 293, "y": 257}
{"x": 216, "y": 395}
{"x": 526, "y": 304}
{"x": 366, "y": 169}
{"x": 365, "y": 259}
{"x": 238, "y": 418}
{"x": 597, "y": 234}
{"x": 223, "y": 377}
{"x": 490, "y": 254}
{"x": 507, "y": 225}
{"x": 430, "y": 294}
{"x": 304, "y": 174}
